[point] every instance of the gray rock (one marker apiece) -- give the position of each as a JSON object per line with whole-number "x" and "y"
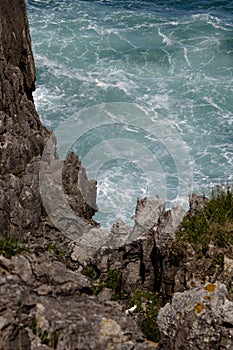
{"x": 164, "y": 233}
{"x": 147, "y": 213}
{"x": 120, "y": 233}
{"x": 23, "y": 139}
{"x": 197, "y": 319}
{"x": 196, "y": 202}
{"x": 43, "y": 307}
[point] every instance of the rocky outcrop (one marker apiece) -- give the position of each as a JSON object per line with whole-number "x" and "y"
{"x": 21, "y": 133}
{"x": 22, "y": 136}
{"x": 16, "y": 50}
{"x": 201, "y": 318}
{"x": 185, "y": 266}
{"x": 44, "y": 305}
{"x": 138, "y": 255}
{"x": 45, "y": 302}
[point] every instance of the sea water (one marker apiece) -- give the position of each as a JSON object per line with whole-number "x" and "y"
{"x": 141, "y": 90}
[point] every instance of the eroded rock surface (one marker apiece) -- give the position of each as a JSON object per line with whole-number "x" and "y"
{"x": 45, "y": 301}
{"x": 201, "y": 318}
{"x": 44, "y": 305}
{"x": 23, "y": 137}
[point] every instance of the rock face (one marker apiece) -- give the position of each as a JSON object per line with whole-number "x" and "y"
{"x": 21, "y": 133}
{"x": 201, "y": 318}
{"x": 138, "y": 257}
{"x": 43, "y": 306}
{"x": 22, "y": 136}
{"x": 45, "y": 301}
{"x": 16, "y": 50}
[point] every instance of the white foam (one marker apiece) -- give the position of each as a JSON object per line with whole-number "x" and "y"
{"x": 166, "y": 39}
{"x": 178, "y": 68}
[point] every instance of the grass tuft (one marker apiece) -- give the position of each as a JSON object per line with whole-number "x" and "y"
{"x": 148, "y": 306}
{"x": 44, "y": 335}
{"x": 213, "y": 224}
{"x": 11, "y": 246}
{"x": 113, "y": 281}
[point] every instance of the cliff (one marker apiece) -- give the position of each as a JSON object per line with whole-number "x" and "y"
{"x": 77, "y": 285}
{"x": 22, "y": 136}
{"x": 45, "y": 301}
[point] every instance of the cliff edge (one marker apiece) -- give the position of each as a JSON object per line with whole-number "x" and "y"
{"x": 45, "y": 301}
{"x": 22, "y": 136}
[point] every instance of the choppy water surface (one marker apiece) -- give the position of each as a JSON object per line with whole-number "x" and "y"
{"x": 167, "y": 64}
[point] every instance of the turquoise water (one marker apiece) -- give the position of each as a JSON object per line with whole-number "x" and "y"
{"x": 141, "y": 90}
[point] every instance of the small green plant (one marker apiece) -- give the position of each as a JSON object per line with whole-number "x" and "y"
{"x": 43, "y": 335}
{"x": 45, "y": 338}
{"x": 113, "y": 281}
{"x": 214, "y": 223}
{"x": 230, "y": 288}
{"x": 137, "y": 299}
{"x": 148, "y": 306}
{"x": 55, "y": 249}
{"x": 11, "y": 246}
{"x": 20, "y": 303}
{"x": 219, "y": 259}
{"x": 54, "y": 340}
{"x": 33, "y": 325}
{"x": 90, "y": 271}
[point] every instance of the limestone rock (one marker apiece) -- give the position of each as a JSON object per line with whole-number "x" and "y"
{"x": 23, "y": 138}
{"x": 196, "y": 202}
{"x": 197, "y": 319}
{"x": 43, "y": 306}
{"x": 147, "y": 213}
{"x": 137, "y": 251}
{"x": 165, "y": 231}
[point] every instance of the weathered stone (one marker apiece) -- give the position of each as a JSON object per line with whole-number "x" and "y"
{"x": 147, "y": 213}
{"x": 196, "y": 203}
{"x": 197, "y": 319}
{"x": 131, "y": 279}
{"x": 30, "y": 318}
{"x": 105, "y": 294}
{"x": 120, "y": 233}
{"x": 165, "y": 232}
{"x": 81, "y": 190}
{"x": 23, "y": 138}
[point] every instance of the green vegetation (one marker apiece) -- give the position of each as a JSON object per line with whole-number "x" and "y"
{"x": 54, "y": 249}
{"x": 219, "y": 259}
{"x": 230, "y": 288}
{"x": 11, "y": 246}
{"x": 45, "y": 338}
{"x": 54, "y": 340}
{"x": 43, "y": 335}
{"x": 113, "y": 281}
{"x": 214, "y": 223}
{"x": 20, "y": 303}
{"x": 91, "y": 272}
{"x": 148, "y": 307}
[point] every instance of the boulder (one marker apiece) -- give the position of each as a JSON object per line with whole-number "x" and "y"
{"x": 201, "y": 318}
